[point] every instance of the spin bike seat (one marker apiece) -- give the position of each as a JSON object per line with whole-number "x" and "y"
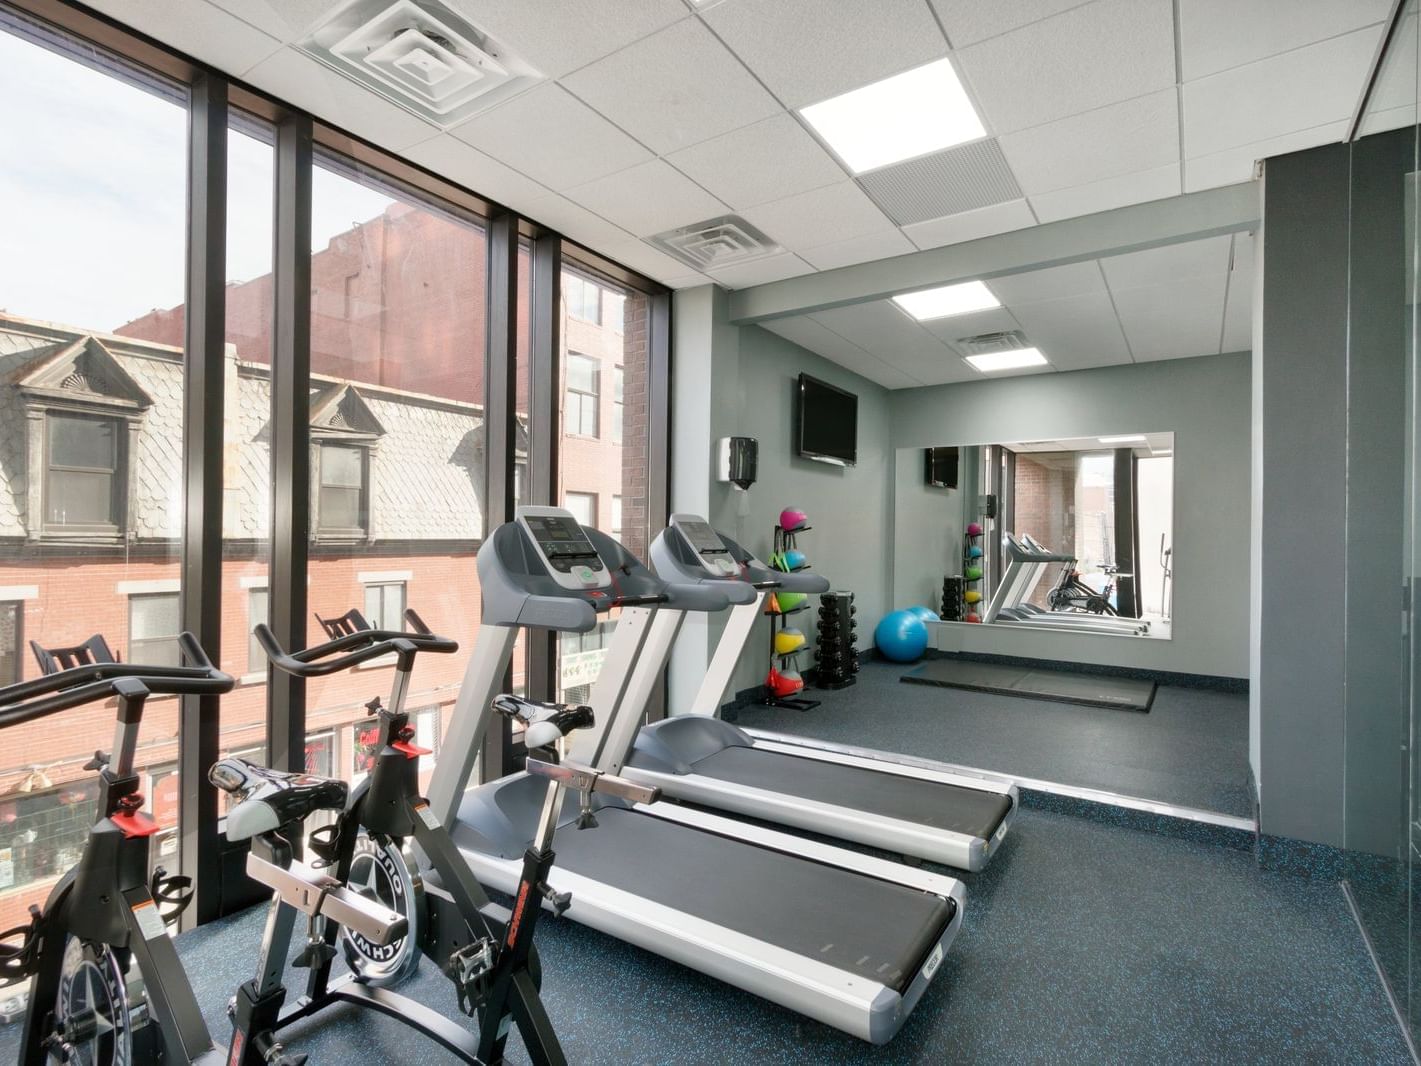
{"x": 270, "y": 799}
{"x": 543, "y": 723}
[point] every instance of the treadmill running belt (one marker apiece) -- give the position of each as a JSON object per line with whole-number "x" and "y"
{"x": 879, "y": 930}
{"x": 974, "y": 812}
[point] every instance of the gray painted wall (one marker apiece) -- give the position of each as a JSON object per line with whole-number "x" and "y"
{"x": 1205, "y": 402}
{"x": 734, "y": 381}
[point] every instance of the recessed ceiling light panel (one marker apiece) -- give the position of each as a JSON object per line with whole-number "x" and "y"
{"x": 994, "y": 362}
{"x": 960, "y": 299}
{"x": 421, "y": 55}
{"x": 919, "y": 111}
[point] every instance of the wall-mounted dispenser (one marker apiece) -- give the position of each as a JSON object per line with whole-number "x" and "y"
{"x": 736, "y": 460}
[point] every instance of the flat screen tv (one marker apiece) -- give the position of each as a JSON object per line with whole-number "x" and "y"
{"x": 827, "y": 422}
{"x": 941, "y": 466}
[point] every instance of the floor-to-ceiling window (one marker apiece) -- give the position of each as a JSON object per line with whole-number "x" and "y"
{"x": 90, "y": 423}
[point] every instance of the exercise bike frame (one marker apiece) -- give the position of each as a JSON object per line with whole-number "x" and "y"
{"x": 388, "y": 807}
{"x": 107, "y": 898}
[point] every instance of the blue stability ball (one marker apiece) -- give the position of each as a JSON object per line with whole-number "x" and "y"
{"x": 902, "y": 636}
{"x": 927, "y": 614}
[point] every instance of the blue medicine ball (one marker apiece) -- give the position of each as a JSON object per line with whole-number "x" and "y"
{"x": 902, "y": 636}
{"x": 974, "y": 552}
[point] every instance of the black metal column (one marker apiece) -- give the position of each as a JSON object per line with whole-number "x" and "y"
{"x": 658, "y": 448}
{"x": 540, "y": 485}
{"x": 199, "y": 851}
{"x": 500, "y": 421}
{"x": 290, "y": 435}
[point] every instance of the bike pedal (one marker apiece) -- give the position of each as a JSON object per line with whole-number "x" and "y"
{"x": 561, "y": 901}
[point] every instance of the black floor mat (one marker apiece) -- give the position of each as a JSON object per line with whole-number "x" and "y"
{"x": 1092, "y": 690}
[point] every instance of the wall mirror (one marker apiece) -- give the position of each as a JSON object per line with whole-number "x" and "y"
{"x": 1071, "y": 535}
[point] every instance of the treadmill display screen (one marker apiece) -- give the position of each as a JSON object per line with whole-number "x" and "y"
{"x": 560, "y": 538}
{"x": 704, "y": 539}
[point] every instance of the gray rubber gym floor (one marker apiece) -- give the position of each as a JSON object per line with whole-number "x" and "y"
{"x": 1191, "y": 749}
{"x": 1083, "y": 943}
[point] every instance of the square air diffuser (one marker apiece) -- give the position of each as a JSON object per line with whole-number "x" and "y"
{"x": 421, "y": 55}
{"x": 717, "y": 242}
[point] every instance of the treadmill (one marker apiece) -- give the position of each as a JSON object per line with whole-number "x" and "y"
{"x": 919, "y": 808}
{"x": 844, "y": 938}
{"x": 1026, "y": 563}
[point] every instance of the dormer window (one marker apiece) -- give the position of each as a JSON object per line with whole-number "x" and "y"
{"x": 344, "y": 436}
{"x": 82, "y": 473}
{"x": 342, "y": 505}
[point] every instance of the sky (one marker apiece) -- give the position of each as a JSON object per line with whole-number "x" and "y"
{"x": 94, "y": 188}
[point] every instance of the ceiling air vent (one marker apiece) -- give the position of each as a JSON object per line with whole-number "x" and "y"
{"x": 1009, "y": 340}
{"x": 717, "y": 242}
{"x": 421, "y": 55}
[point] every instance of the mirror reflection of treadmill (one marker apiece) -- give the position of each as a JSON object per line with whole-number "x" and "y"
{"x": 1026, "y": 564}
{"x": 842, "y": 937}
{"x": 915, "y": 807}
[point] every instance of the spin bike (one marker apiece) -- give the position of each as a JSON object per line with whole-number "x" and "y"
{"x": 490, "y": 960}
{"x": 108, "y": 989}
{"x": 1072, "y": 594}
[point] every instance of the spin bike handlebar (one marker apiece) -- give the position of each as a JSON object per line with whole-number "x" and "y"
{"x": 41, "y": 697}
{"x": 361, "y": 646}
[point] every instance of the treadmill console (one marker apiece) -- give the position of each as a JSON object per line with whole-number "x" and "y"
{"x": 708, "y": 546}
{"x": 571, "y": 559}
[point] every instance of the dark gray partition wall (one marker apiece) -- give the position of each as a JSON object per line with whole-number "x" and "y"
{"x": 1330, "y": 369}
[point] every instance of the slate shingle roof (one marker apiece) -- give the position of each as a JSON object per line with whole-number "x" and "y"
{"x": 425, "y": 471}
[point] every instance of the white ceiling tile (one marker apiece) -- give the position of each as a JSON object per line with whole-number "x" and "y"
{"x": 690, "y": 281}
{"x": 807, "y": 50}
{"x": 1396, "y": 80}
{"x": 882, "y": 330}
{"x": 553, "y": 137}
{"x": 1294, "y": 91}
{"x": 1053, "y": 283}
{"x": 558, "y": 36}
{"x": 1090, "y": 56}
{"x": 476, "y": 171}
{"x": 862, "y": 249}
{"x": 1234, "y": 165}
{"x": 807, "y": 333}
{"x": 296, "y": 78}
{"x": 654, "y": 263}
{"x": 811, "y": 219}
{"x": 955, "y": 328}
{"x": 1208, "y": 258}
{"x": 1104, "y": 195}
{"x": 1173, "y": 321}
{"x": 1216, "y": 35}
{"x": 675, "y": 88}
{"x": 648, "y": 199}
{"x": 1392, "y": 118}
{"x": 761, "y": 271}
{"x": 970, "y": 225}
{"x": 755, "y": 164}
{"x": 287, "y": 20}
{"x": 1076, "y": 331}
{"x": 1238, "y": 310}
{"x": 970, "y": 21}
{"x": 575, "y": 221}
{"x": 1123, "y": 138}
{"x": 197, "y": 28}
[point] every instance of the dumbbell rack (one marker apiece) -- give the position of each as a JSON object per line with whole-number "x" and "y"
{"x": 784, "y": 540}
{"x": 837, "y": 651}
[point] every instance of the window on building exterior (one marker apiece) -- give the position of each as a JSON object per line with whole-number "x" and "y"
{"x": 583, "y": 298}
{"x": 583, "y": 506}
{"x": 616, "y": 529}
{"x": 614, "y": 306}
{"x": 258, "y": 610}
{"x": 153, "y": 629}
{"x": 583, "y": 396}
{"x": 342, "y": 506}
{"x": 385, "y": 605}
{"x": 11, "y": 641}
{"x": 82, "y": 485}
{"x": 617, "y": 404}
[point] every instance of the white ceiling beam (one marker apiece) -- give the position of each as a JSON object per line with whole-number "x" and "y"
{"x": 1230, "y": 209}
